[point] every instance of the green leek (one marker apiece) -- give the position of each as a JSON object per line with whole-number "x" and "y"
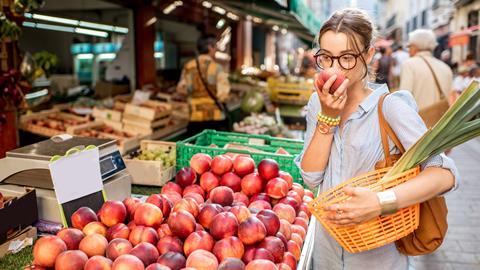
{"x": 458, "y": 125}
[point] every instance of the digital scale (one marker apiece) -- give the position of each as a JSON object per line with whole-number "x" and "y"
{"x": 28, "y": 167}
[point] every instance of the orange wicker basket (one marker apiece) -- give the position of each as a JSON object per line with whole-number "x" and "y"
{"x": 376, "y": 232}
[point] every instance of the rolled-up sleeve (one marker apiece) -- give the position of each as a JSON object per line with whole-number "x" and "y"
{"x": 400, "y": 111}
{"x": 312, "y": 179}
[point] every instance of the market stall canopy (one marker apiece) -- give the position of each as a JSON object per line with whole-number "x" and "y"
{"x": 292, "y": 15}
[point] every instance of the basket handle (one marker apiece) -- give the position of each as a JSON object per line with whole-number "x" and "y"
{"x": 387, "y": 131}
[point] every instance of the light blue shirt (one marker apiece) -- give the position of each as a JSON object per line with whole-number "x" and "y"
{"x": 356, "y": 151}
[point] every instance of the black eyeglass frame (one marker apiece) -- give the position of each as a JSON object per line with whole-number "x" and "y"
{"x": 355, "y": 56}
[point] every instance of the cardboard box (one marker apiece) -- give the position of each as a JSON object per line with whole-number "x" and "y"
{"x": 105, "y": 89}
{"x": 18, "y": 214}
{"x": 27, "y": 235}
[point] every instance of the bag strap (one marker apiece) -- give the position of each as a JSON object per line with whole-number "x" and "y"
{"x": 212, "y": 96}
{"x": 386, "y": 131}
{"x": 439, "y": 88}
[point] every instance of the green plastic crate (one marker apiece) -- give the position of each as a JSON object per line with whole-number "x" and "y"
{"x": 200, "y": 144}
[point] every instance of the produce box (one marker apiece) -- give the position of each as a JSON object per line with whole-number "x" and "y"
{"x": 107, "y": 114}
{"x": 126, "y": 141}
{"x": 23, "y": 238}
{"x": 51, "y": 122}
{"x": 121, "y": 101}
{"x": 105, "y": 89}
{"x": 212, "y": 142}
{"x": 150, "y": 167}
{"x": 204, "y": 109}
{"x": 150, "y": 109}
{"x": 290, "y": 92}
{"x": 17, "y": 214}
{"x": 139, "y": 125}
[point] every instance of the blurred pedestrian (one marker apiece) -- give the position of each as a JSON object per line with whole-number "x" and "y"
{"x": 470, "y": 62}
{"x": 421, "y": 72}
{"x": 204, "y": 79}
{"x": 399, "y": 56}
{"x": 384, "y": 66}
{"x": 446, "y": 57}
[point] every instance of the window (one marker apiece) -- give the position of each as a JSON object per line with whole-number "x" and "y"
{"x": 414, "y": 23}
{"x": 424, "y": 17}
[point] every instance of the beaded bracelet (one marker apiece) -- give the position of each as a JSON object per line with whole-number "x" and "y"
{"x": 328, "y": 120}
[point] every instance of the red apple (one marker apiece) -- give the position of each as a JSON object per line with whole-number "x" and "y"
{"x": 170, "y": 243}
{"x": 221, "y": 165}
{"x": 289, "y": 259}
{"x": 268, "y": 169}
{"x": 71, "y": 237}
{"x": 299, "y": 230}
{"x": 82, "y": 217}
{"x": 231, "y": 264}
{"x": 200, "y": 162}
{"x": 223, "y": 225}
{"x": 222, "y": 195}
{"x": 275, "y": 246}
{"x": 297, "y": 239}
{"x": 229, "y": 247}
{"x": 112, "y": 212}
{"x": 195, "y": 189}
{"x": 304, "y": 208}
{"x": 98, "y": 263}
{"x": 285, "y": 229}
{"x": 294, "y": 195}
{"x": 207, "y": 213}
{"x": 299, "y": 189}
{"x": 270, "y": 220}
{"x": 302, "y": 222}
{"x": 157, "y": 266}
{"x": 283, "y": 266}
{"x": 202, "y": 260}
{"x": 198, "y": 240}
{"x": 163, "y": 231}
{"x": 290, "y": 201}
{"x": 243, "y": 165}
{"x": 253, "y": 253}
{"x": 308, "y": 193}
{"x": 239, "y": 197}
{"x": 261, "y": 264}
{"x": 232, "y": 181}
{"x": 322, "y": 77}
{"x": 282, "y": 237}
{"x": 94, "y": 244}
{"x": 162, "y": 202}
{"x": 131, "y": 204}
{"x": 196, "y": 197}
{"x": 209, "y": 181}
{"x": 185, "y": 177}
{"x": 287, "y": 177}
{"x": 71, "y": 260}
{"x": 260, "y": 197}
{"x": 285, "y": 211}
{"x": 181, "y": 223}
{"x": 148, "y": 214}
{"x": 252, "y": 184}
{"x": 302, "y": 214}
{"x": 241, "y": 212}
{"x": 187, "y": 204}
{"x": 95, "y": 227}
{"x": 119, "y": 230}
{"x": 276, "y": 188}
{"x": 146, "y": 252}
{"x": 141, "y": 234}
{"x": 174, "y": 260}
{"x": 259, "y": 205}
{"x": 47, "y": 249}
{"x": 251, "y": 231}
{"x": 118, "y": 247}
{"x": 173, "y": 197}
{"x": 294, "y": 248}
{"x": 128, "y": 262}
{"x": 172, "y": 187}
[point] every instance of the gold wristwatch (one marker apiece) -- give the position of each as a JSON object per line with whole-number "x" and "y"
{"x": 388, "y": 202}
{"x": 324, "y": 128}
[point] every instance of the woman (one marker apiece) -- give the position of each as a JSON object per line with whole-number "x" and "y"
{"x": 335, "y": 153}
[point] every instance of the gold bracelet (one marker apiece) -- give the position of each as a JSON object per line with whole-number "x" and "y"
{"x": 328, "y": 120}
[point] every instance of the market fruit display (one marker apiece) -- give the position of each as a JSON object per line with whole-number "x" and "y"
{"x": 55, "y": 121}
{"x": 252, "y": 101}
{"x": 261, "y": 123}
{"x": 324, "y": 75}
{"x": 243, "y": 217}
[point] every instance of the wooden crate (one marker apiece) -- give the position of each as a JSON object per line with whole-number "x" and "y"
{"x": 121, "y": 101}
{"x": 107, "y": 114}
{"x": 125, "y": 144}
{"x": 150, "y": 109}
{"x": 151, "y": 172}
{"x": 204, "y": 109}
{"x": 289, "y": 92}
{"x": 27, "y": 125}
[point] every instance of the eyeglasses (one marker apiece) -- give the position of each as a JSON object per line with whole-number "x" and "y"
{"x": 346, "y": 61}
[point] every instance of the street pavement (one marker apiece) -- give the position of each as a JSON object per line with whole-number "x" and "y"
{"x": 461, "y": 248}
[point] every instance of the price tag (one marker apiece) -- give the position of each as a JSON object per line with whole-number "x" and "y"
{"x": 140, "y": 96}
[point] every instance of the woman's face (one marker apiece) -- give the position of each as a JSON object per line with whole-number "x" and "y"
{"x": 336, "y": 44}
